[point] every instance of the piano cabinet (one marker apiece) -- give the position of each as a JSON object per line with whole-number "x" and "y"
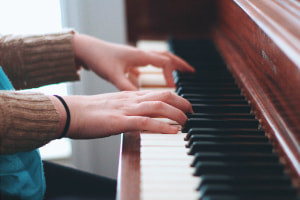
{"x": 259, "y": 41}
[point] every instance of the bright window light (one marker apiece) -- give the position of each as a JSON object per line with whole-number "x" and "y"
{"x": 32, "y": 17}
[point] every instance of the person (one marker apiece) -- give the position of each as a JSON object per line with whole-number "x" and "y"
{"x": 31, "y": 120}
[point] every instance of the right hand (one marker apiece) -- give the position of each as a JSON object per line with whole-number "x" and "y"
{"x": 113, "y": 62}
{"x": 113, "y": 113}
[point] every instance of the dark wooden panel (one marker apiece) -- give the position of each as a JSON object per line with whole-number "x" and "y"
{"x": 128, "y": 186}
{"x": 261, "y": 58}
{"x": 160, "y": 19}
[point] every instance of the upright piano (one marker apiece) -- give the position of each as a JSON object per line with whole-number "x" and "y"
{"x": 243, "y": 141}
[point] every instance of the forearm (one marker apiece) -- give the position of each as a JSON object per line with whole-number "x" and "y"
{"x": 33, "y": 61}
{"x": 27, "y": 121}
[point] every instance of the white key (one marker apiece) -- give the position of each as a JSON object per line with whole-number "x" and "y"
{"x": 165, "y": 167}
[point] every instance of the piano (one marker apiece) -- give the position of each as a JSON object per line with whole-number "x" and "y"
{"x": 243, "y": 141}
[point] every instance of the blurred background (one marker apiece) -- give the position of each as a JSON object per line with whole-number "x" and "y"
{"x": 100, "y": 18}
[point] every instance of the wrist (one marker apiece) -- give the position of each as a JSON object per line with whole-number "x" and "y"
{"x": 62, "y": 115}
{"x": 79, "y": 50}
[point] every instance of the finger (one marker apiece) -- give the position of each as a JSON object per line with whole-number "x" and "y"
{"x": 169, "y": 98}
{"x": 138, "y": 123}
{"x": 152, "y": 58}
{"x": 134, "y": 71}
{"x": 163, "y": 62}
{"x": 124, "y": 84}
{"x": 179, "y": 63}
{"x": 169, "y": 76}
{"x": 133, "y": 77}
{"x": 159, "y": 109}
{"x": 169, "y": 62}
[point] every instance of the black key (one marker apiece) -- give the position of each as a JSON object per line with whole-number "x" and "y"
{"x": 222, "y": 116}
{"x": 223, "y": 79}
{"x": 211, "y": 96}
{"x": 218, "y": 108}
{"x": 236, "y": 168}
{"x": 255, "y": 192}
{"x": 207, "y": 90}
{"x": 231, "y": 138}
{"x": 234, "y": 156}
{"x": 215, "y": 84}
{"x": 218, "y": 71}
{"x": 217, "y": 101}
{"x": 245, "y": 147}
{"x": 245, "y": 180}
{"x": 201, "y": 72}
{"x": 223, "y": 131}
{"x": 232, "y": 197}
{"x": 219, "y": 123}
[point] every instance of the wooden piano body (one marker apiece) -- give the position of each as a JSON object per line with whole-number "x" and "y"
{"x": 260, "y": 43}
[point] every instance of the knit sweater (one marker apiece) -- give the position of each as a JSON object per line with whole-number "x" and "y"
{"x": 30, "y": 120}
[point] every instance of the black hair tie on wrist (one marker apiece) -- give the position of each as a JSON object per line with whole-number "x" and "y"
{"x": 68, "y": 116}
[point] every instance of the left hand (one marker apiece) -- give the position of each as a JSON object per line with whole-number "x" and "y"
{"x": 113, "y": 62}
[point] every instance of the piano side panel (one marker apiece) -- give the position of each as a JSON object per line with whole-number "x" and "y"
{"x": 128, "y": 186}
{"x": 265, "y": 72}
{"x": 160, "y": 19}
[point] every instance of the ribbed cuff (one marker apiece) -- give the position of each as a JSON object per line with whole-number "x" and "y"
{"x": 33, "y": 61}
{"x": 27, "y": 121}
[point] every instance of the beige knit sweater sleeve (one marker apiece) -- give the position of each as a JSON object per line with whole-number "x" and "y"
{"x": 30, "y": 120}
{"x": 36, "y": 60}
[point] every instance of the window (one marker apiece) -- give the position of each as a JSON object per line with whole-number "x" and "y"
{"x": 36, "y": 16}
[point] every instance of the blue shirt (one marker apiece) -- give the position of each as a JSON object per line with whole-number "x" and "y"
{"x": 21, "y": 174}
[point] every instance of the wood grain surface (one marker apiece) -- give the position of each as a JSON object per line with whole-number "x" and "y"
{"x": 262, "y": 64}
{"x": 128, "y": 184}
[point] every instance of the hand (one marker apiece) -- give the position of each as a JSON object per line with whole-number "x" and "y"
{"x": 113, "y": 113}
{"x": 113, "y": 61}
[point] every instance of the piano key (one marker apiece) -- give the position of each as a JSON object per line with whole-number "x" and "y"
{"x": 232, "y": 197}
{"x": 163, "y": 195}
{"x": 208, "y": 90}
{"x": 172, "y": 150}
{"x": 218, "y": 101}
{"x": 167, "y": 143}
{"x": 210, "y": 96}
{"x": 219, "y": 123}
{"x": 237, "y": 168}
{"x": 260, "y": 192}
{"x": 229, "y": 147}
{"x": 244, "y": 180}
{"x": 159, "y": 136}
{"x": 231, "y": 138}
{"x": 216, "y": 84}
{"x": 202, "y": 71}
{"x": 236, "y": 156}
{"x": 222, "y": 116}
{"x": 151, "y": 79}
{"x": 218, "y": 108}
{"x": 225, "y": 79}
{"x": 223, "y": 131}
{"x": 202, "y": 76}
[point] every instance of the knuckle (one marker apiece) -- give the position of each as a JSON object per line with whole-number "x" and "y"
{"x": 157, "y": 105}
{"x": 166, "y": 95}
{"x": 144, "y": 122}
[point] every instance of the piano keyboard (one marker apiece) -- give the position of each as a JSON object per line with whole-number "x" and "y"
{"x": 221, "y": 152}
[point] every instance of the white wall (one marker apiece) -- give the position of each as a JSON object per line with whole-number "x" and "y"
{"x": 103, "y": 19}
